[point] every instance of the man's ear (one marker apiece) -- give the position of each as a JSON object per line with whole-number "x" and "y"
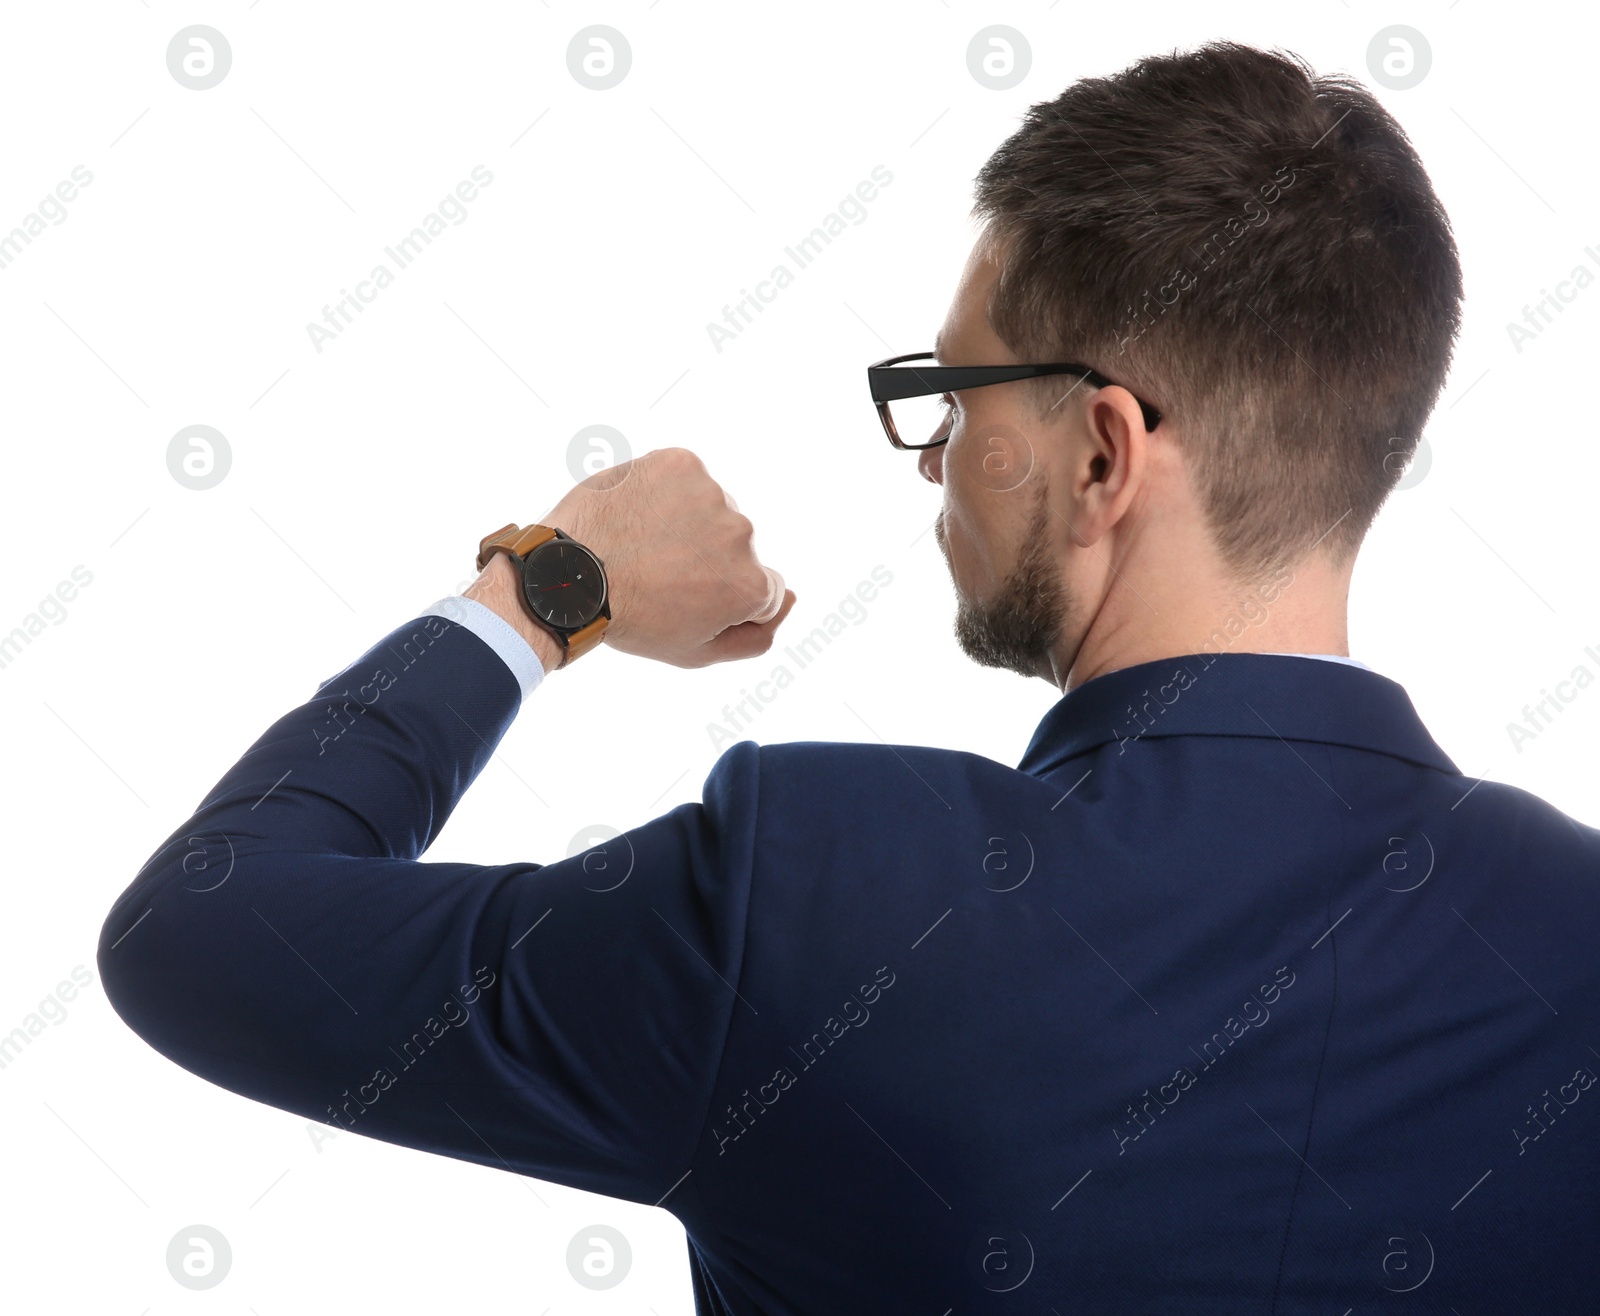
{"x": 1112, "y": 462}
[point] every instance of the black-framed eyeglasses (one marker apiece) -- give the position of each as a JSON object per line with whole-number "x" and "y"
{"x": 918, "y": 391}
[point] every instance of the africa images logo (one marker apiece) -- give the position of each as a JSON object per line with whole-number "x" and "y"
{"x": 855, "y": 1014}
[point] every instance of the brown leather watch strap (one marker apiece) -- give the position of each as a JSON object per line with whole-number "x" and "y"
{"x": 511, "y": 539}
{"x": 580, "y": 642}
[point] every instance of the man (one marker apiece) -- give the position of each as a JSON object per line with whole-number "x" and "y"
{"x": 1234, "y": 996}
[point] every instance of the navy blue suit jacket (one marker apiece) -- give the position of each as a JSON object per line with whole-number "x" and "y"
{"x": 1233, "y": 996}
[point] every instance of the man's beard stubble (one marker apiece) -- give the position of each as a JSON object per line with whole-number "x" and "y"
{"x": 1017, "y": 628}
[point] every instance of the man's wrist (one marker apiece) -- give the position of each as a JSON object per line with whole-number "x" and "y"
{"x": 499, "y": 588}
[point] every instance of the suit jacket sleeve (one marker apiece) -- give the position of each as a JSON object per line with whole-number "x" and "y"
{"x": 562, "y": 1020}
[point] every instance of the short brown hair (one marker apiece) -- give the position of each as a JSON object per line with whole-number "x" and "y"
{"x": 1255, "y": 250}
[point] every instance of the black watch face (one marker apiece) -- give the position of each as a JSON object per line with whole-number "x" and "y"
{"x": 564, "y": 584}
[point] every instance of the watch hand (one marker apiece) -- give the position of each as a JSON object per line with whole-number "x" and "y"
{"x": 545, "y": 589}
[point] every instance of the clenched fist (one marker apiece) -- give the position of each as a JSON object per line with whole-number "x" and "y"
{"x": 686, "y": 585}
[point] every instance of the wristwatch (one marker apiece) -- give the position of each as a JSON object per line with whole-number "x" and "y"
{"x": 563, "y": 583}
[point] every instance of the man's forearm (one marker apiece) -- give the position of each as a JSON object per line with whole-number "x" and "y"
{"x": 286, "y": 935}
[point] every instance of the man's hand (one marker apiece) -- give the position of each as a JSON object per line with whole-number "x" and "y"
{"x": 686, "y": 586}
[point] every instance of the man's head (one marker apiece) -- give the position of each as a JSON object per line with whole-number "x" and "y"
{"x": 1259, "y": 254}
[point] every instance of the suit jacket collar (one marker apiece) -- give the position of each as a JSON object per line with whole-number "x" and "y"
{"x": 1235, "y": 694}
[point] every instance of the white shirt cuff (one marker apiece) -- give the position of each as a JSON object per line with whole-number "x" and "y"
{"x": 495, "y": 631}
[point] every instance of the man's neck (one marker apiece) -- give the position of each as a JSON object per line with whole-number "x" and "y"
{"x": 1152, "y": 615}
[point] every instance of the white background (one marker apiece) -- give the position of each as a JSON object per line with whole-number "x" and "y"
{"x": 577, "y": 292}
